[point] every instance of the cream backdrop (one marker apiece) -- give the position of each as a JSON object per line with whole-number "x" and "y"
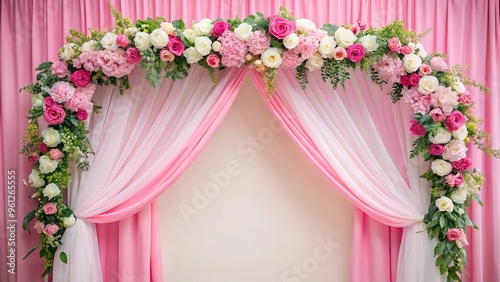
{"x": 253, "y": 208}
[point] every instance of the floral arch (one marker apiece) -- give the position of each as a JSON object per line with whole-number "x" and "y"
{"x": 443, "y": 120}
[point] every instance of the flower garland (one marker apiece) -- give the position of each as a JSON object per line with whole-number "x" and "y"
{"x": 443, "y": 118}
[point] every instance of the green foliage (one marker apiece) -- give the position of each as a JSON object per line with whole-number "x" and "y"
{"x": 330, "y": 29}
{"x": 301, "y": 75}
{"x": 335, "y": 71}
{"x": 396, "y": 92}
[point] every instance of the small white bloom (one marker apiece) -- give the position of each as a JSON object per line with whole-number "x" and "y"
{"x": 51, "y": 190}
{"x": 369, "y": 42}
{"x": 37, "y": 101}
{"x": 192, "y": 55}
{"x": 35, "y": 180}
{"x": 458, "y": 86}
{"x": 243, "y": 31}
{"x": 142, "y": 41}
{"x": 315, "y": 62}
{"x": 272, "y": 57}
{"x": 459, "y": 195}
{"x": 131, "y": 31}
{"x": 167, "y": 27}
{"x": 216, "y": 46}
{"x": 442, "y": 136}
{"x": 69, "y": 221}
{"x": 440, "y": 167}
{"x": 461, "y": 133}
{"x": 444, "y": 203}
{"x": 203, "y": 27}
{"x": 421, "y": 51}
{"x": 190, "y": 34}
{"x": 203, "y": 45}
{"x": 411, "y": 62}
{"x": 47, "y": 165}
{"x": 427, "y": 84}
{"x": 67, "y": 52}
{"x": 344, "y": 37}
{"x": 89, "y": 46}
{"x": 291, "y": 41}
{"x": 51, "y": 137}
{"x": 159, "y": 38}
{"x": 109, "y": 41}
{"x": 305, "y": 23}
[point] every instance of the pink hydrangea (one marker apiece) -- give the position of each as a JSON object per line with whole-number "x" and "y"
{"x": 418, "y": 102}
{"x": 454, "y": 180}
{"x": 88, "y": 60}
{"x": 233, "y": 50}
{"x": 62, "y": 91}
{"x": 309, "y": 43}
{"x": 81, "y": 99}
{"x": 258, "y": 42}
{"x": 389, "y": 69}
{"x": 444, "y": 98}
{"x": 114, "y": 63}
{"x": 291, "y": 59}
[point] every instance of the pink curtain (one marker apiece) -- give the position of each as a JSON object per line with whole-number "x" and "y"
{"x": 468, "y": 31}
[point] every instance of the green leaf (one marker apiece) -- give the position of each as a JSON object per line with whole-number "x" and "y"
{"x": 442, "y": 221}
{"x": 63, "y": 257}
{"x": 31, "y": 251}
{"x": 29, "y": 217}
{"x": 443, "y": 268}
{"x": 439, "y": 248}
{"x": 44, "y": 66}
{"x": 276, "y": 43}
{"x": 259, "y": 14}
{"x": 424, "y": 119}
{"x": 477, "y": 199}
{"x": 330, "y": 29}
{"x": 179, "y": 24}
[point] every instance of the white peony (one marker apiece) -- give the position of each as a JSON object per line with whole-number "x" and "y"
{"x": 216, "y": 46}
{"x": 109, "y": 41}
{"x": 291, "y": 41}
{"x": 272, "y": 57}
{"x": 69, "y": 221}
{"x": 159, "y": 38}
{"x": 47, "y": 165}
{"x": 344, "y": 37}
{"x": 190, "y": 34}
{"x": 315, "y": 62}
{"x": 89, "y": 46}
{"x": 37, "y": 101}
{"x": 167, "y": 27}
{"x": 440, "y": 167}
{"x": 442, "y": 136}
{"x": 142, "y": 41}
{"x": 428, "y": 84}
{"x": 444, "y": 203}
{"x": 369, "y": 42}
{"x": 305, "y": 23}
{"x": 131, "y": 31}
{"x": 51, "y": 190}
{"x": 461, "y": 133}
{"x": 327, "y": 46}
{"x": 203, "y": 45}
{"x": 192, "y": 55}
{"x": 51, "y": 137}
{"x": 243, "y": 31}
{"x": 35, "y": 180}
{"x": 459, "y": 195}
{"x": 411, "y": 62}
{"x": 454, "y": 150}
{"x": 67, "y": 52}
{"x": 203, "y": 27}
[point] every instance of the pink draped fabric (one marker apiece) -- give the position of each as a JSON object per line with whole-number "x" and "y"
{"x": 468, "y": 31}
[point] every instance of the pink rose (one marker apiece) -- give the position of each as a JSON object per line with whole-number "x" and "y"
{"x": 55, "y": 154}
{"x": 405, "y": 80}
{"x": 175, "y": 45}
{"x": 82, "y": 115}
{"x": 394, "y": 44}
{"x": 54, "y": 114}
{"x": 340, "y": 53}
{"x": 59, "y": 68}
{"x": 80, "y": 78}
{"x": 462, "y": 240}
{"x": 462, "y": 164}
{"x": 361, "y": 25}
{"x": 166, "y": 55}
{"x": 455, "y": 120}
{"x": 48, "y": 102}
{"x": 454, "y": 151}
{"x": 416, "y": 128}
{"x": 355, "y": 52}
{"x": 133, "y": 55}
{"x": 50, "y": 229}
{"x": 213, "y": 60}
{"x": 454, "y": 180}
{"x": 39, "y": 226}
{"x": 465, "y": 98}
{"x": 453, "y": 234}
{"x": 281, "y": 28}
{"x": 414, "y": 78}
{"x": 424, "y": 70}
{"x": 50, "y": 208}
{"x": 438, "y": 64}
{"x": 61, "y": 91}
{"x": 33, "y": 158}
{"x": 437, "y": 115}
{"x": 436, "y": 149}
{"x": 43, "y": 147}
{"x": 219, "y": 28}
{"x": 355, "y": 29}
{"x": 406, "y": 50}
{"x": 122, "y": 41}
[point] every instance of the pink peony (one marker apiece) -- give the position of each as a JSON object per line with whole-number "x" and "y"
{"x": 281, "y": 28}
{"x": 414, "y": 78}
{"x": 82, "y": 115}
{"x": 115, "y": 63}
{"x": 438, "y": 64}
{"x": 454, "y": 180}
{"x": 455, "y": 120}
{"x": 444, "y": 98}
{"x": 59, "y": 68}
{"x": 55, "y": 154}
{"x": 406, "y": 50}
{"x": 436, "y": 149}
{"x": 80, "y": 78}
{"x": 133, "y": 55}
{"x": 416, "y": 128}
{"x": 437, "y": 115}
{"x": 340, "y": 53}
{"x": 389, "y": 69}
{"x": 88, "y": 60}
{"x": 258, "y": 42}
{"x": 355, "y": 52}
{"x": 219, "y": 28}
{"x": 462, "y": 164}
{"x": 213, "y": 60}
{"x": 465, "y": 98}
{"x": 122, "y": 41}
{"x": 50, "y": 229}
{"x": 50, "y": 208}
{"x": 81, "y": 99}
{"x": 424, "y": 70}
{"x": 54, "y": 114}
{"x": 61, "y": 91}
{"x": 175, "y": 45}
{"x": 166, "y": 55}
{"x": 233, "y": 50}
{"x": 39, "y": 226}
{"x": 394, "y": 44}
{"x": 43, "y": 148}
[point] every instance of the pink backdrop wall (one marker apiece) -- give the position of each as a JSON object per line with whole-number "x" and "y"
{"x": 467, "y": 31}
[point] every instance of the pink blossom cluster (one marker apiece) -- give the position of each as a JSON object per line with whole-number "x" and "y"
{"x": 445, "y": 99}
{"x": 389, "y": 69}
{"x": 114, "y": 63}
{"x": 307, "y": 46}
{"x": 258, "y": 42}
{"x": 458, "y": 236}
{"x": 81, "y": 100}
{"x": 233, "y": 50}
{"x": 418, "y": 102}
{"x": 87, "y": 60}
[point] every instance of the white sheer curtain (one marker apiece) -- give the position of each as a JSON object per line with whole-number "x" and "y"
{"x": 343, "y": 141}
{"x": 140, "y": 140}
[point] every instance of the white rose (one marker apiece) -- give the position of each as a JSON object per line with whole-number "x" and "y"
{"x": 459, "y": 195}
{"x": 291, "y": 41}
{"x": 203, "y": 45}
{"x": 458, "y": 86}
{"x": 315, "y": 62}
{"x": 51, "y": 137}
{"x": 411, "y": 62}
{"x": 37, "y": 100}
{"x": 47, "y": 165}
{"x": 271, "y": 57}
{"x": 327, "y": 46}
{"x": 67, "y": 52}
{"x": 461, "y": 133}
{"x": 131, "y": 31}
{"x": 344, "y": 37}
{"x": 159, "y": 38}
{"x": 428, "y": 84}
{"x": 35, "y": 180}
{"x": 203, "y": 27}
{"x": 142, "y": 41}
{"x": 109, "y": 41}
{"x": 444, "y": 203}
{"x": 454, "y": 150}
{"x": 243, "y": 31}
{"x": 89, "y": 46}
{"x": 167, "y": 27}
{"x": 442, "y": 136}
{"x": 192, "y": 55}
{"x": 51, "y": 190}
{"x": 69, "y": 221}
{"x": 190, "y": 34}
{"x": 216, "y": 46}
{"x": 305, "y": 23}
{"x": 440, "y": 167}
{"x": 369, "y": 42}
